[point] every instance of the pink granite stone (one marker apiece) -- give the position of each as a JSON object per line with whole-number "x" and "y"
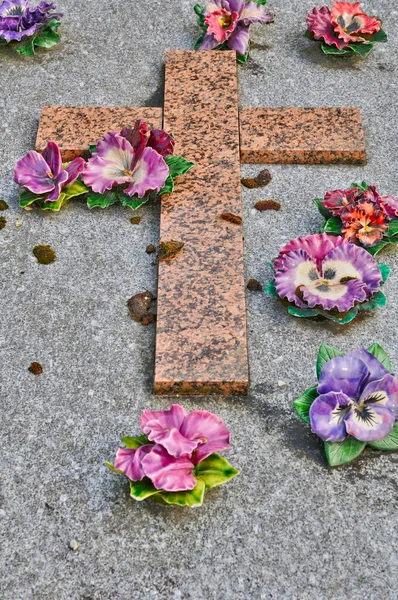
{"x": 201, "y": 344}
{"x": 74, "y": 128}
{"x": 302, "y": 135}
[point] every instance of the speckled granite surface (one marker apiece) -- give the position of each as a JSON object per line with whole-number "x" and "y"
{"x": 201, "y": 342}
{"x": 74, "y": 128}
{"x": 302, "y": 135}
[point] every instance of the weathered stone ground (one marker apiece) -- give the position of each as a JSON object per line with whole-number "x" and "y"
{"x": 288, "y": 527}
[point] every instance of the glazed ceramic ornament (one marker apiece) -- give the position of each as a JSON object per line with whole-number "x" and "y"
{"x": 354, "y": 404}
{"x": 326, "y": 276}
{"x": 344, "y": 29}
{"x": 177, "y": 459}
{"x": 361, "y": 215}
{"x": 225, "y": 25}
{"x": 25, "y": 28}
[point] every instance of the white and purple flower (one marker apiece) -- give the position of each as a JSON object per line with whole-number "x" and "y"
{"x": 358, "y": 397}
{"x": 226, "y": 23}
{"x": 18, "y": 21}
{"x": 44, "y": 175}
{"x": 325, "y": 272}
{"x": 127, "y": 159}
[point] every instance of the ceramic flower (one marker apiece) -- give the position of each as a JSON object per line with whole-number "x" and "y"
{"x": 325, "y": 275}
{"x": 28, "y": 27}
{"x": 176, "y": 459}
{"x": 130, "y": 164}
{"x": 354, "y": 403}
{"x": 361, "y": 215}
{"x": 225, "y": 24}
{"x": 46, "y": 180}
{"x": 344, "y": 29}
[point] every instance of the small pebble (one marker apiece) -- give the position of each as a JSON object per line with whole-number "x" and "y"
{"x": 18, "y": 224}
{"x": 135, "y": 220}
{"x": 3, "y": 205}
{"x": 254, "y": 286}
{"x": 35, "y": 368}
{"x": 74, "y": 545}
{"x": 150, "y": 249}
{"x": 281, "y": 383}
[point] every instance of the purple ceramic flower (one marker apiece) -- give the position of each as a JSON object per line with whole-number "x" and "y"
{"x": 44, "y": 175}
{"x": 119, "y": 161}
{"x": 18, "y": 21}
{"x": 228, "y": 22}
{"x": 358, "y": 397}
{"x": 180, "y": 441}
{"x": 325, "y": 271}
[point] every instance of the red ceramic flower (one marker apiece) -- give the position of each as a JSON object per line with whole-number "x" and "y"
{"x": 350, "y": 23}
{"x": 364, "y": 223}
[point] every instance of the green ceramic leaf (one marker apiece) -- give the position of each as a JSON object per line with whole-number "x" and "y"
{"x": 381, "y": 355}
{"x": 379, "y": 36}
{"x": 333, "y": 225}
{"x": 347, "y": 318}
{"x": 191, "y": 498}
{"x": 324, "y": 211}
{"x": 214, "y": 470}
{"x": 303, "y": 403}
{"x": 341, "y": 453}
{"x": 77, "y": 188}
{"x": 47, "y": 38}
{"x": 3, "y": 42}
{"x": 385, "y": 271}
{"x": 168, "y": 186}
{"x": 295, "y": 311}
{"x": 112, "y": 468}
{"x": 199, "y": 9}
{"x": 361, "y": 49}
{"x": 270, "y": 288}
{"x": 376, "y": 249}
{"x": 26, "y": 47}
{"x": 378, "y": 301}
{"x": 333, "y": 50}
{"x": 389, "y": 443}
{"x": 27, "y": 197}
{"x": 242, "y": 58}
{"x": 363, "y": 186}
{"x": 133, "y": 202}
{"x": 102, "y": 200}
{"x": 260, "y": 2}
{"x": 92, "y": 148}
{"x": 178, "y": 165}
{"x": 392, "y": 229}
{"x": 325, "y": 354}
{"x": 54, "y": 206}
{"x": 200, "y": 39}
{"x": 135, "y": 442}
{"x": 139, "y": 490}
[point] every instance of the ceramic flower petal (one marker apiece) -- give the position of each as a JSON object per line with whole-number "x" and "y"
{"x": 376, "y": 369}
{"x": 296, "y": 270}
{"x": 345, "y": 374}
{"x": 335, "y": 296}
{"x": 382, "y": 392}
{"x": 74, "y": 169}
{"x": 163, "y": 427}
{"x": 327, "y": 414}
{"x": 239, "y": 40}
{"x": 390, "y": 205}
{"x": 351, "y": 23}
{"x": 364, "y": 222}
{"x": 255, "y": 13}
{"x": 317, "y": 247}
{"x": 221, "y": 24}
{"x": 369, "y": 423}
{"x": 128, "y": 461}
{"x": 319, "y": 22}
{"x": 337, "y": 201}
{"x": 168, "y": 472}
{"x": 208, "y": 431}
{"x": 110, "y": 165}
{"x": 209, "y": 43}
{"x": 236, "y": 6}
{"x": 34, "y": 173}
{"x": 161, "y": 142}
{"x": 168, "y": 419}
{"x": 52, "y": 156}
{"x": 59, "y": 182}
{"x": 150, "y": 173}
{"x": 138, "y": 137}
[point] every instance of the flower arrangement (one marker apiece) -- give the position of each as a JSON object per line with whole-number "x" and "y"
{"x": 361, "y": 215}
{"x": 24, "y": 28}
{"x": 327, "y": 276}
{"x": 344, "y": 29}
{"x": 354, "y": 404}
{"x": 127, "y": 166}
{"x": 225, "y": 24}
{"x": 175, "y": 461}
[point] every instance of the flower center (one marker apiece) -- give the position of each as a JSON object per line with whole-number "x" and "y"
{"x": 344, "y": 202}
{"x": 225, "y": 21}
{"x": 50, "y": 175}
{"x": 203, "y": 440}
{"x": 127, "y": 172}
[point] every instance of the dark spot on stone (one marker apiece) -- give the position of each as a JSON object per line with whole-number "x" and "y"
{"x": 3, "y": 205}
{"x": 150, "y": 249}
{"x": 139, "y": 305}
{"x": 254, "y": 286}
{"x": 135, "y": 220}
{"x": 231, "y": 218}
{"x": 35, "y": 368}
{"x": 3, "y": 222}
{"x": 48, "y": 506}
{"x": 169, "y": 249}
{"x": 262, "y": 205}
{"x": 261, "y": 180}
{"x": 44, "y": 254}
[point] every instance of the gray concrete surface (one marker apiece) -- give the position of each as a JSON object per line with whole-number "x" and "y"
{"x": 287, "y": 527}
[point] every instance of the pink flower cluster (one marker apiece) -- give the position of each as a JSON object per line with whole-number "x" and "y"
{"x": 365, "y": 214}
{"x": 177, "y": 442}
